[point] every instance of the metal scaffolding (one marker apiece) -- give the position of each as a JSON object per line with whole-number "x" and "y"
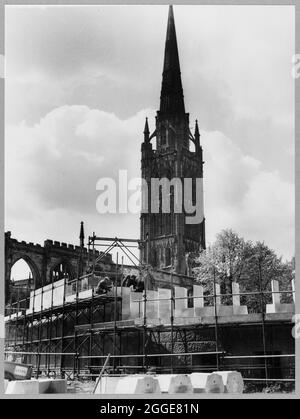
{"x": 73, "y": 339}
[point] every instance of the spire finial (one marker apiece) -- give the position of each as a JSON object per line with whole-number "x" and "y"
{"x": 197, "y": 134}
{"x": 81, "y": 235}
{"x": 146, "y": 129}
{"x": 171, "y": 99}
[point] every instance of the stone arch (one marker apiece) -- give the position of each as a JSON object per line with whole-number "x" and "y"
{"x": 60, "y": 268}
{"x": 36, "y": 273}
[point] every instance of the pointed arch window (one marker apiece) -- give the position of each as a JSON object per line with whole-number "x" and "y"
{"x": 167, "y": 256}
{"x": 163, "y": 138}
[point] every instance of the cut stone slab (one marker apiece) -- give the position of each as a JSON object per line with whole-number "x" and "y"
{"x": 187, "y": 320}
{"x": 275, "y": 292}
{"x": 23, "y": 387}
{"x": 58, "y": 292}
{"x": 173, "y": 383}
{"x": 34, "y": 386}
{"x": 5, "y": 385}
{"x": 218, "y": 294}
{"x": 136, "y": 305}
{"x": 85, "y": 294}
{"x": 37, "y": 301}
{"x": 198, "y": 296}
{"x": 71, "y": 298}
{"x": 224, "y": 310}
{"x": 50, "y": 386}
{"x": 208, "y": 311}
{"x": 164, "y": 303}
{"x": 240, "y": 310}
{"x": 138, "y": 385}
{"x": 280, "y": 308}
{"x": 180, "y": 384}
{"x": 233, "y": 381}
{"x": 185, "y": 312}
{"x": 151, "y": 305}
{"x": 47, "y": 297}
{"x": 181, "y": 303}
{"x": 282, "y": 317}
{"x": 237, "y": 308}
{"x": 207, "y": 383}
{"x": 125, "y": 293}
{"x": 107, "y": 385}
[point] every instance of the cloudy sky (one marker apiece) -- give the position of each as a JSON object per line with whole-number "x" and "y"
{"x": 80, "y": 81}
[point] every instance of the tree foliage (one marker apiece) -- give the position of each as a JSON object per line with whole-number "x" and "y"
{"x": 252, "y": 265}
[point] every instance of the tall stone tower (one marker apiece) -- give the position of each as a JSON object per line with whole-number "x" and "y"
{"x": 178, "y": 155}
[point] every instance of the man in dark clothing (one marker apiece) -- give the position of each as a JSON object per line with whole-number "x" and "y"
{"x": 104, "y": 286}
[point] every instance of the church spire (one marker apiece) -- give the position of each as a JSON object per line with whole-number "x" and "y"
{"x": 171, "y": 99}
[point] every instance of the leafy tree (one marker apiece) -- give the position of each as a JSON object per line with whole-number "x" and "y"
{"x": 225, "y": 261}
{"x": 232, "y": 259}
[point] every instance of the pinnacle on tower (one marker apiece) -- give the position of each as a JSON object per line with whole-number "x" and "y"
{"x": 171, "y": 98}
{"x": 81, "y": 235}
{"x": 146, "y": 131}
{"x": 197, "y": 134}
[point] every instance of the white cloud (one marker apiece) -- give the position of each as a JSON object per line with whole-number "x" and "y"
{"x": 75, "y": 87}
{"x": 53, "y": 168}
{"x": 242, "y": 195}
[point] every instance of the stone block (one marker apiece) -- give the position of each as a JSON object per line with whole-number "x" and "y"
{"x": 85, "y": 294}
{"x": 136, "y": 304}
{"x": 186, "y": 312}
{"x": 138, "y": 385}
{"x": 47, "y": 298}
{"x": 164, "y": 303}
{"x": 187, "y": 320}
{"x": 233, "y": 381}
{"x": 124, "y": 292}
{"x": 151, "y": 305}
{"x": 23, "y": 387}
{"x": 5, "y": 385}
{"x": 58, "y": 292}
{"x": 181, "y": 301}
{"x": 240, "y": 310}
{"x": 50, "y": 386}
{"x": 224, "y": 310}
{"x": 37, "y": 386}
{"x": 208, "y": 311}
{"x": 175, "y": 384}
{"x": 71, "y": 298}
{"x": 207, "y": 383}
{"x": 218, "y": 295}
{"x": 280, "y": 308}
{"x": 236, "y": 294}
{"x": 107, "y": 385}
{"x": 198, "y": 296}
{"x": 275, "y": 292}
{"x": 37, "y": 301}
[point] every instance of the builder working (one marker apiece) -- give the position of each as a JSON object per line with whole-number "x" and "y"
{"x": 135, "y": 284}
{"x": 104, "y": 286}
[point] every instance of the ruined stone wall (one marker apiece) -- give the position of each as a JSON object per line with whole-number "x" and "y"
{"x": 43, "y": 260}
